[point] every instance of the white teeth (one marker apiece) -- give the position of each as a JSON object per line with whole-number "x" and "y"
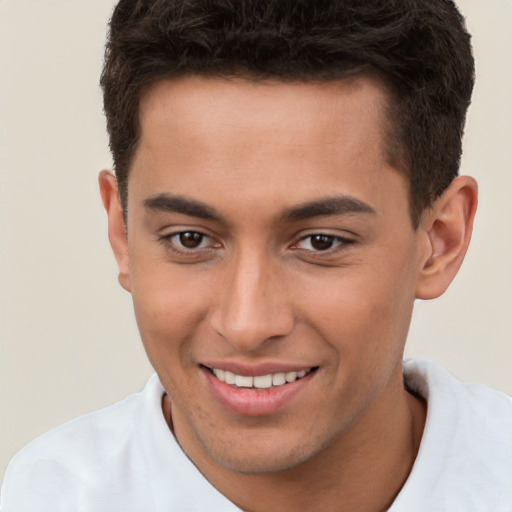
{"x": 229, "y": 378}
{"x": 220, "y": 374}
{"x": 291, "y": 376}
{"x": 243, "y": 382}
{"x": 278, "y": 379}
{"x": 260, "y": 381}
{"x": 263, "y": 381}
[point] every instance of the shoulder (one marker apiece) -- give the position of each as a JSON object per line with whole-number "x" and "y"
{"x": 60, "y": 464}
{"x": 465, "y": 456}
{"x": 447, "y": 396}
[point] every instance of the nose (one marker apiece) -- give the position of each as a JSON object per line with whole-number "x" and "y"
{"x": 252, "y": 306}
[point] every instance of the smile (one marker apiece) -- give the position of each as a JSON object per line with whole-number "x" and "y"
{"x": 266, "y": 391}
{"x": 260, "y": 381}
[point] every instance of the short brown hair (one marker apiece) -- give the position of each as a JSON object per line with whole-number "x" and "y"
{"x": 419, "y": 48}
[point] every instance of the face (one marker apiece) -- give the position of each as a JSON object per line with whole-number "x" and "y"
{"x": 272, "y": 264}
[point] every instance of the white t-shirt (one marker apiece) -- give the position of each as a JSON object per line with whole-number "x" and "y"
{"x": 124, "y": 458}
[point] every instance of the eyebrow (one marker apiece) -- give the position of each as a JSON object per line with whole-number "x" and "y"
{"x": 179, "y": 204}
{"x": 339, "y": 205}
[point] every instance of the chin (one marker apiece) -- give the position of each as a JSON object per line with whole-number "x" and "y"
{"x": 259, "y": 465}
{"x": 259, "y": 457}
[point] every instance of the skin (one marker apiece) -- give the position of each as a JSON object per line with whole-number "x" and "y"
{"x": 248, "y": 158}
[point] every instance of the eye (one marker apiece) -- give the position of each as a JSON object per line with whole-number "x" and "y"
{"x": 320, "y": 242}
{"x": 189, "y": 240}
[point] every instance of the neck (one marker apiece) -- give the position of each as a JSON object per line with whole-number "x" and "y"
{"x": 361, "y": 471}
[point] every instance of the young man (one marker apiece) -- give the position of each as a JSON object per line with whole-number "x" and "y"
{"x": 286, "y": 186}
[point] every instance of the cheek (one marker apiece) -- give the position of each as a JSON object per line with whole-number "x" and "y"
{"x": 168, "y": 308}
{"x": 363, "y": 313}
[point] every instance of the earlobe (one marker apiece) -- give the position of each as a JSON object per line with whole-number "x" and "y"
{"x": 116, "y": 225}
{"x": 448, "y": 226}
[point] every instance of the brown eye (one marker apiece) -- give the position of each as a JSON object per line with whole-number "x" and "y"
{"x": 190, "y": 239}
{"x": 191, "y": 245}
{"x": 322, "y": 242}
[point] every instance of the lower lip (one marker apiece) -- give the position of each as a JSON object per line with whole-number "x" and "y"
{"x": 255, "y": 402}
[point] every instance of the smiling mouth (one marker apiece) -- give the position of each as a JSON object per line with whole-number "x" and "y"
{"x": 270, "y": 380}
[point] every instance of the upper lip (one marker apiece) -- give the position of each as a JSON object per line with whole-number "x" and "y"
{"x": 253, "y": 370}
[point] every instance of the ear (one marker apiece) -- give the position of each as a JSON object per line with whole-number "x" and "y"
{"x": 116, "y": 226}
{"x": 448, "y": 226}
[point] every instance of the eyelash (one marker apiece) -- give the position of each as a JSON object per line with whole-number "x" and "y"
{"x": 340, "y": 243}
{"x": 171, "y": 241}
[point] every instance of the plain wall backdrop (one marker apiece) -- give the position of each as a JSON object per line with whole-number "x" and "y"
{"x": 68, "y": 339}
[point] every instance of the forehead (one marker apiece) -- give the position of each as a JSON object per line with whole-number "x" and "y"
{"x": 293, "y": 141}
{"x": 197, "y": 102}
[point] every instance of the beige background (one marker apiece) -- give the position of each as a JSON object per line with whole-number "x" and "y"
{"x": 68, "y": 341}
